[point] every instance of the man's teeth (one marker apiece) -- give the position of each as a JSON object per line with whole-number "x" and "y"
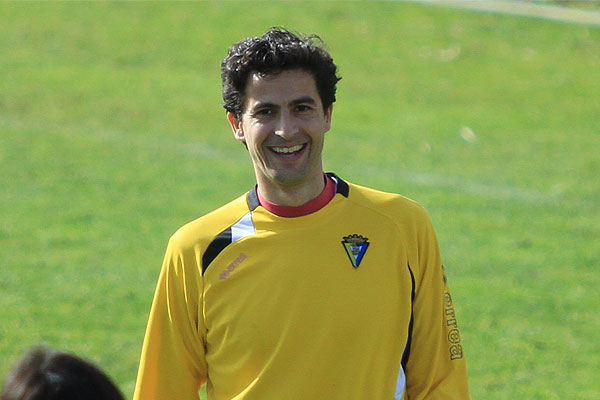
{"x": 287, "y": 150}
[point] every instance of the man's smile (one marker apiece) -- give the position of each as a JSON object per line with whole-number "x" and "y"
{"x": 287, "y": 149}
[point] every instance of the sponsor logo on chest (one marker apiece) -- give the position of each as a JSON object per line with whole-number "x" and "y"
{"x": 231, "y": 267}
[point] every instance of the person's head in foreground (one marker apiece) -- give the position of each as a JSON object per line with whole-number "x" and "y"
{"x": 48, "y": 374}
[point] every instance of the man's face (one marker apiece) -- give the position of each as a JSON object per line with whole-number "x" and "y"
{"x": 283, "y": 126}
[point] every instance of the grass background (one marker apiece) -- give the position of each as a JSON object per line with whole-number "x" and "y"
{"x": 112, "y": 136}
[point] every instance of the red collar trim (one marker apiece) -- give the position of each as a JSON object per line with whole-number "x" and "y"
{"x": 308, "y": 208}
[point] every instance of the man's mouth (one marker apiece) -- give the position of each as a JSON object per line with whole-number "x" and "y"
{"x": 288, "y": 149}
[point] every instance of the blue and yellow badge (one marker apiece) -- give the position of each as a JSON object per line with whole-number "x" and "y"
{"x": 356, "y": 247}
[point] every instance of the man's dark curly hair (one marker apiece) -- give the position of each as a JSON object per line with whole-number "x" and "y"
{"x": 275, "y": 51}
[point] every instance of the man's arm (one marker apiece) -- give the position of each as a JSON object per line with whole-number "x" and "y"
{"x": 172, "y": 364}
{"x": 436, "y": 366}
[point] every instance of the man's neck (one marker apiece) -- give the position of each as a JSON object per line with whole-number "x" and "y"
{"x": 309, "y": 207}
{"x": 294, "y": 195}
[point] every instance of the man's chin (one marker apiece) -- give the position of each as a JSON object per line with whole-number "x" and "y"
{"x": 289, "y": 178}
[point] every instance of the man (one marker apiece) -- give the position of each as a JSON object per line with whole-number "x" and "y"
{"x": 306, "y": 287}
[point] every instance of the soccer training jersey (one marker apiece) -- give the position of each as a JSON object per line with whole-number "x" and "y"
{"x": 349, "y": 302}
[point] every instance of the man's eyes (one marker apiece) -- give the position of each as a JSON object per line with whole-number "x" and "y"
{"x": 303, "y": 108}
{"x": 263, "y": 112}
{"x": 267, "y": 112}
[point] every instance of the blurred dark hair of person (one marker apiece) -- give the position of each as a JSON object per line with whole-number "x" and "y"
{"x": 48, "y": 374}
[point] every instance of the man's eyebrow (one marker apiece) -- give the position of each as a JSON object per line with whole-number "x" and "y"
{"x": 300, "y": 100}
{"x": 259, "y": 105}
{"x": 303, "y": 100}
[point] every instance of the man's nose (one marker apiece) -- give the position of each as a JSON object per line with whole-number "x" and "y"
{"x": 286, "y": 126}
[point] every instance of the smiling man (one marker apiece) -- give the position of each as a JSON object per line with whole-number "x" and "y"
{"x": 307, "y": 286}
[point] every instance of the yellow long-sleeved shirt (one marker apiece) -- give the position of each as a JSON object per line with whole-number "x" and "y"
{"x": 349, "y": 302}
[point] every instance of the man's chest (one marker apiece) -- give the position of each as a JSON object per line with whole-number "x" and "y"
{"x": 292, "y": 283}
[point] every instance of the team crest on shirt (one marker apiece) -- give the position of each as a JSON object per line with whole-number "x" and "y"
{"x": 356, "y": 247}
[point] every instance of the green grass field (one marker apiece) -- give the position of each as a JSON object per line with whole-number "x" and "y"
{"x": 112, "y": 136}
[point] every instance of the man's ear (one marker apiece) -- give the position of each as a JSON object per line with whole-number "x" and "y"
{"x": 328, "y": 117}
{"x": 236, "y": 127}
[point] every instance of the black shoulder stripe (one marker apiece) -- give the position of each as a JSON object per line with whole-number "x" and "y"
{"x": 406, "y": 354}
{"x": 341, "y": 186}
{"x": 215, "y": 247}
{"x": 252, "y": 199}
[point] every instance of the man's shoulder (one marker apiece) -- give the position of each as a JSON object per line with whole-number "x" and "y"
{"x": 206, "y": 227}
{"x": 388, "y": 203}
